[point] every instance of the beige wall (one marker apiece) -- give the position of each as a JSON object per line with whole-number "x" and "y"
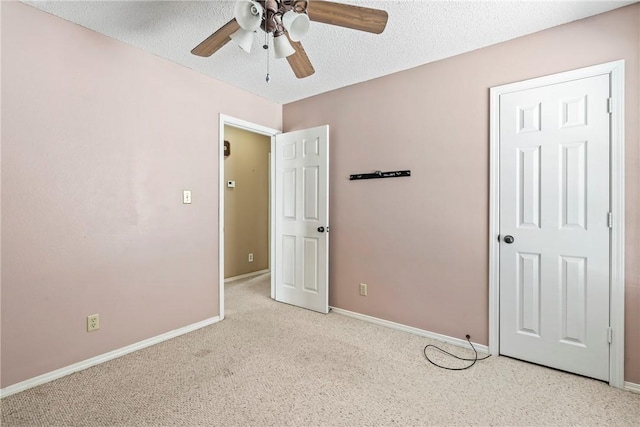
{"x": 246, "y": 207}
{"x": 421, "y": 243}
{"x": 98, "y": 141}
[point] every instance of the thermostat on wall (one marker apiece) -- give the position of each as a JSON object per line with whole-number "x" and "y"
{"x": 231, "y": 184}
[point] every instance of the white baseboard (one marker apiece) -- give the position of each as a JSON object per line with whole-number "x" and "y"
{"x": 59, "y": 373}
{"x": 245, "y": 276}
{"x": 629, "y": 386}
{"x": 633, "y": 387}
{"x": 421, "y": 332}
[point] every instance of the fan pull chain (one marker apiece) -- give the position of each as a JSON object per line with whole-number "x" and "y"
{"x": 266, "y": 47}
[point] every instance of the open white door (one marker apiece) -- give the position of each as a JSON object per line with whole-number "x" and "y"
{"x": 301, "y": 232}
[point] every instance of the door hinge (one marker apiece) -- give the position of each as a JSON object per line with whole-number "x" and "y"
{"x": 609, "y": 105}
{"x": 610, "y": 335}
{"x": 610, "y": 220}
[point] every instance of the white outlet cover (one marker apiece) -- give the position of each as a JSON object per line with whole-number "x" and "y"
{"x": 186, "y": 196}
{"x": 93, "y": 322}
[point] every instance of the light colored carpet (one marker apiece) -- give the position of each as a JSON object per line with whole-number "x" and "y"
{"x": 272, "y": 364}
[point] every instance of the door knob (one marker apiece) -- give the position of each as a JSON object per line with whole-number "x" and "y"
{"x": 321, "y": 229}
{"x": 508, "y": 239}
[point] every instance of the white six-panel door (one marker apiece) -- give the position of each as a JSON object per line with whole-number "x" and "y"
{"x": 554, "y": 204}
{"x": 302, "y": 218}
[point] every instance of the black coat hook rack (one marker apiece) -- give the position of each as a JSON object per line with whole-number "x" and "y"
{"x": 378, "y": 174}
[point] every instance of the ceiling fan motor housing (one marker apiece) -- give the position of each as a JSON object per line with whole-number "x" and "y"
{"x": 274, "y": 10}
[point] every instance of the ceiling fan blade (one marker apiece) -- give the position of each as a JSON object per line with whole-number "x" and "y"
{"x": 299, "y": 61}
{"x": 349, "y": 16}
{"x": 216, "y": 40}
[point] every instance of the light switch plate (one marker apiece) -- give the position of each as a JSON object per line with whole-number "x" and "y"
{"x": 186, "y": 196}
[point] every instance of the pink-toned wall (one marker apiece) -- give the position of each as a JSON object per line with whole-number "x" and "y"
{"x": 421, "y": 243}
{"x": 98, "y": 141}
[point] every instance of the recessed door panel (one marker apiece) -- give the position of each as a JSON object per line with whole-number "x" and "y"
{"x": 289, "y": 150}
{"x": 574, "y": 299}
{"x": 574, "y": 185}
{"x": 311, "y": 193}
{"x": 528, "y": 118}
{"x": 311, "y": 147}
{"x": 289, "y": 261}
{"x": 289, "y": 194}
{"x": 573, "y": 112}
{"x": 529, "y": 294}
{"x": 311, "y": 256}
{"x": 529, "y": 187}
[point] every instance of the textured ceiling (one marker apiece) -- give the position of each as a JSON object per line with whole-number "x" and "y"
{"x": 418, "y": 32}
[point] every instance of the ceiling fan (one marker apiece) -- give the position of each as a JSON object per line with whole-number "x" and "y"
{"x": 288, "y": 21}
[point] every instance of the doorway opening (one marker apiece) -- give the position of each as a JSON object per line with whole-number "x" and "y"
{"x": 246, "y": 203}
{"x": 245, "y": 220}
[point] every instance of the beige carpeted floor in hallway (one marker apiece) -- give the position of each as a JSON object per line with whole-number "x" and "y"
{"x": 272, "y": 364}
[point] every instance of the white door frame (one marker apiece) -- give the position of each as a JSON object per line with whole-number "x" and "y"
{"x": 255, "y": 128}
{"x": 616, "y": 71}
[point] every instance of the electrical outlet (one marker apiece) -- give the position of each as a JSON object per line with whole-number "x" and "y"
{"x": 186, "y": 197}
{"x": 93, "y": 322}
{"x": 250, "y": 257}
{"x": 363, "y": 289}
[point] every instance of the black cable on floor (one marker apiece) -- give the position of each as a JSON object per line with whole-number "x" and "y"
{"x": 473, "y": 361}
